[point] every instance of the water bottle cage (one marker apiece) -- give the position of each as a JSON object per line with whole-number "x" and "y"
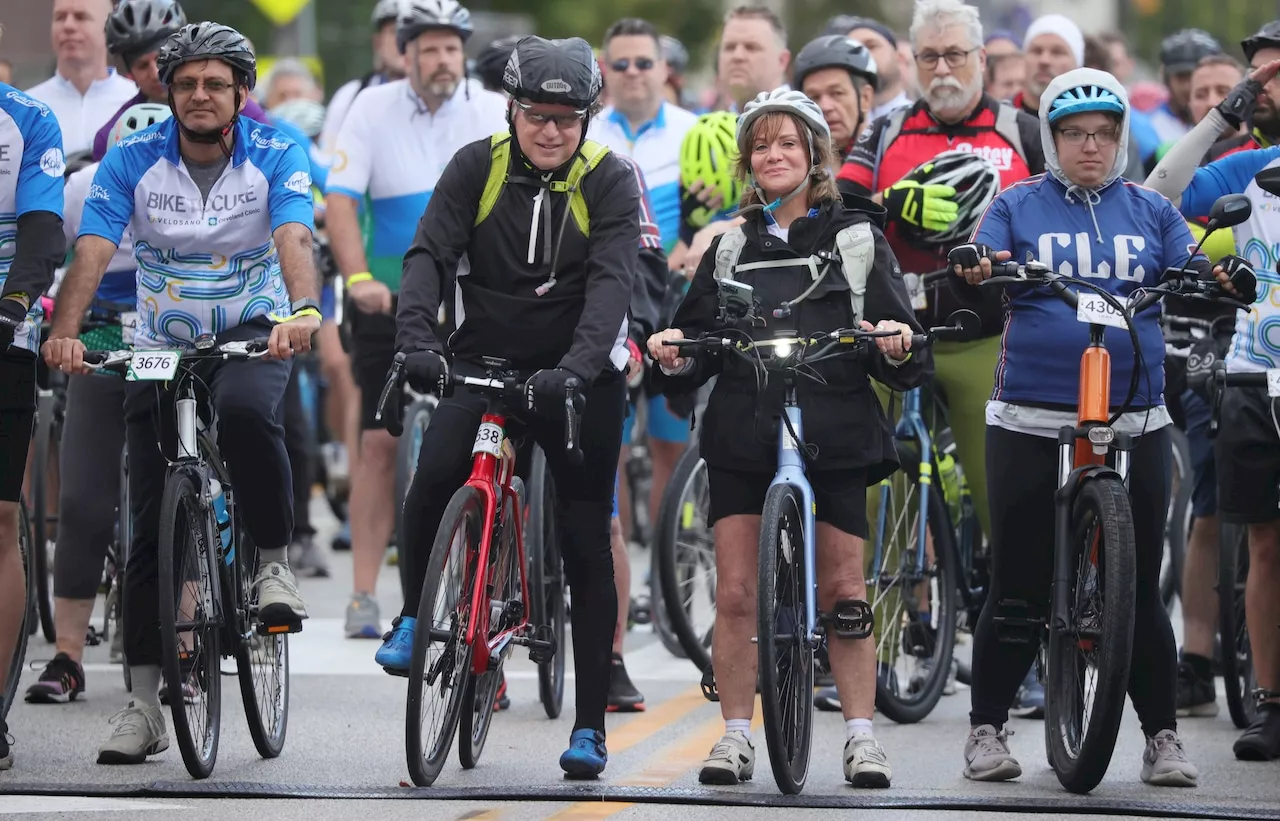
{"x": 850, "y": 619}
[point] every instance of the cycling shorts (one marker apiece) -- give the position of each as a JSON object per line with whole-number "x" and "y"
{"x": 662, "y": 425}
{"x": 1247, "y": 452}
{"x": 373, "y": 348}
{"x": 839, "y": 495}
{"x": 1204, "y": 487}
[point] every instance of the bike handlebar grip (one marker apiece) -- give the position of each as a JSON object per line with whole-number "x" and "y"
{"x": 391, "y": 404}
{"x": 1245, "y": 380}
{"x": 1008, "y": 268}
{"x": 919, "y": 341}
{"x": 257, "y": 345}
{"x": 573, "y": 405}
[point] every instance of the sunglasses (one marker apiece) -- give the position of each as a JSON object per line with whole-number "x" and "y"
{"x": 642, "y": 64}
{"x": 541, "y": 118}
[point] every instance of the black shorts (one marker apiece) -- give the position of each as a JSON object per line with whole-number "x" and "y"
{"x": 840, "y": 496}
{"x": 1247, "y": 452}
{"x": 373, "y": 347}
{"x": 17, "y": 414}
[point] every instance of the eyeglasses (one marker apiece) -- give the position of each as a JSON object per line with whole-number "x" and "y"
{"x": 955, "y": 57}
{"x": 1078, "y": 136}
{"x": 212, "y": 87}
{"x": 541, "y": 118}
{"x": 622, "y": 64}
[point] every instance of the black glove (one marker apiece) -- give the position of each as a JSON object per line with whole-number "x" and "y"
{"x": 545, "y": 390}
{"x": 1242, "y": 277}
{"x": 1237, "y": 106}
{"x": 969, "y": 255}
{"x": 428, "y": 372}
{"x": 12, "y": 315}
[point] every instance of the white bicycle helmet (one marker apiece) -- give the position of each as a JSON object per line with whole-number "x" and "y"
{"x": 417, "y": 16}
{"x": 785, "y": 100}
{"x": 385, "y": 11}
{"x": 976, "y": 182}
{"x": 135, "y": 119}
{"x": 307, "y": 115}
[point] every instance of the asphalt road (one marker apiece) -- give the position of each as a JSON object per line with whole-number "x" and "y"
{"x": 344, "y": 756}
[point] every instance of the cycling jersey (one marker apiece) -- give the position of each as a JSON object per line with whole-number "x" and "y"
{"x": 392, "y": 148}
{"x": 340, "y": 105}
{"x": 1240, "y": 142}
{"x": 655, "y": 146}
{"x": 80, "y": 115}
{"x": 1169, "y": 127}
{"x": 119, "y": 283}
{"x": 31, "y": 166}
{"x": 318, "y": 162}
{"x": 204, "y": 265}
{"x": 251, "y": 110}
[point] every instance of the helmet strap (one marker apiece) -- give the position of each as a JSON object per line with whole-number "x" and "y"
{"x": 219, "y": 137}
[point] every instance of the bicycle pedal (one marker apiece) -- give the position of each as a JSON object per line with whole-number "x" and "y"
{"x": 394, "y": 672}
{"x": 708, "y": 685}
{"x": 277, "y": 629}
{"x": 1015, "y": 624}
{"x": 851, "y": 619}
{"x": 542, "y": 645}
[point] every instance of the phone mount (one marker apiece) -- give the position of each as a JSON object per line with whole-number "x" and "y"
{"x": 737, "y": 302}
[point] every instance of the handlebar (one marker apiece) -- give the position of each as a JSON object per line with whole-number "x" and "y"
{"x": 240, "y": 350}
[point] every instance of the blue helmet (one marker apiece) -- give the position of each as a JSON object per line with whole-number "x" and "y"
{"x": 1082, "y": 99}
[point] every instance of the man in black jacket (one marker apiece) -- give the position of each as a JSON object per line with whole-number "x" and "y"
{"x": 547, "y": 223}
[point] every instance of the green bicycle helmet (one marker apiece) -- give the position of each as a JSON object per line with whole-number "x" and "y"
{"x": 710, "y": 153}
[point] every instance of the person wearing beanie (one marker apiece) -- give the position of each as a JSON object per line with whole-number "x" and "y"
{"x": 1001, "y": 42}
{"x": 1054, "y": 45}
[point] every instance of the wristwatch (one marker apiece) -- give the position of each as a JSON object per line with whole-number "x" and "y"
{"x": 303, "y": 304}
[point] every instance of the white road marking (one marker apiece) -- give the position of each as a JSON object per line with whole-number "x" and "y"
{"x": 23, "y": 804}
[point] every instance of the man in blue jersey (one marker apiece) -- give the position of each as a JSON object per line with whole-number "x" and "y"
{"x": 31, "y": 166}
{"x": 221, "y": 215}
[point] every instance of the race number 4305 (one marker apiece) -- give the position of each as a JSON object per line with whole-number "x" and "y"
{"x": 1093, "y": 309}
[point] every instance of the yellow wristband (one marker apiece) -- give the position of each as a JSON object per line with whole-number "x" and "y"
{"x": 363, "y": 276}
{"x": 298, "y": 315}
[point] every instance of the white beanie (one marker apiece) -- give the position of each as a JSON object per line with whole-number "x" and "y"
{"x": 1062, "y": 27}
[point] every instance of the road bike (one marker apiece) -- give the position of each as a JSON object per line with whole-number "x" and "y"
{"x": 14, "y": 673}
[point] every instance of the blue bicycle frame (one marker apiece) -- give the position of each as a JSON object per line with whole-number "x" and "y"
{"x": 791, "y": 472}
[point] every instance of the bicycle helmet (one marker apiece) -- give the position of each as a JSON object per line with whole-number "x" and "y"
{"x": 1267, "y": 37}
{"x": 417, "y": 16}
{"x": 1082, "y": 99}
{"x": 493, "y": 61}
{"x": 1182, "y": 50}
{"x": 676, "y": 55}
{"x": 555, "y": 72}
{"x": 386, "y": 11}
{"x": 208, "y": 41}
{"x": 835, "y": 51}
{"x": 306, "y": 115}
{"x": 976, "y": 182}
{"x": 709, "y": 153}
{"x": 135, "y": 119}
{"x": 785, "y": 100}
{"x": 136, "y": 27}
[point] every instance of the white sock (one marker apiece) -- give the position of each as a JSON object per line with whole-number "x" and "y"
{"x": 145, "y": 679}
{"x": 277, "y": 554}
{"x": 857, "y": 726}
{"x": 738, "y": 725}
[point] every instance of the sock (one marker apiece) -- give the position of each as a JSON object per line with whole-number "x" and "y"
{"x": 146, "y": 684}
{"x": 1201, "y": 666}
{"x": 857, "y": 726}
{"x": 278, "y": 554}
{"x": 738, "y": 725}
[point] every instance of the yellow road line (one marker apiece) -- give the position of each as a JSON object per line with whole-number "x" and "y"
{"x": 650, "y": 722}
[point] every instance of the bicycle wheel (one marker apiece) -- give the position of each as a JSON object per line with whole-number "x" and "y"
{"x": 684, "y": 554}
{"x": 42, "y": 523}
{"x": 1238, "y": 678}
{"x": 441, "y": 665}
{"x": 914, "y": 603}
{"x": 1088, "y": 659}
{"x": 190, "y": 621}
{"x": 1178, "y": 521}
{"x": 14, "y": 674}
{"x": 262, "y": 662}
{"x": 786, "y": 656}
{"x": 546, "y": 579}
{"x": 416, "y": 419}
{"x": 504, "y": 585}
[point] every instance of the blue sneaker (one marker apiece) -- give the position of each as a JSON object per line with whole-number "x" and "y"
{"x": 586, "y": 756}
{"x": 397, "y": 646}
{"x": 1029, "y": 702}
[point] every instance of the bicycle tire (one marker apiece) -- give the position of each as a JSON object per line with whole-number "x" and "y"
{"x": 780, "y": 610}
{"x": 42, "y": 448}
{"x": 546, "y": 579}
{"x": 673, "y": 515}
{"x": 1178, "y": 521}
{"x": 1238, "y": 679}
{"x": 1080, "y": 748}
{"x": 266, "y": 700}
{"x": 416, "y": 418}
{"x": 14, "y": 674}
{"x": 183, "y": 515}
{"x": 466, "y": 509}
{"x": 124, "y": 541}
{"x": 910, "y": 706}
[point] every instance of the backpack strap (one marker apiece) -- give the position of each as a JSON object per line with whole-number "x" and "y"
{"x": 499, "y": 162}
{"x": 892, "y": 129}
{"x": 728, "y": 251}
{"x": 857, "y": 247}
{"x": 584, "y": 162}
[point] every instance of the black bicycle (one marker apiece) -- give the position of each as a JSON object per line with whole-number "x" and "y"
{"x": 14, "y": 673}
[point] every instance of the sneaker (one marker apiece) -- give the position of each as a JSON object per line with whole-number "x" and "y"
{"x": 1196, "y": 696}
{"x": 1261, "y": 741}
{"x": 61, "y": 682}
{"x": 6, "y": 746}
{"x": 363, "y": 618}
{"x": 733, "y": 759}
{"x": 586, "y": 756}
{"x": 949, "y": 689}
{"x": 307, "y": 559}
{"x": 116, "y": 655}
{"x": 342, "y": 539}
{"x": 501, "y": 701}
{"x": 278, "y": 599}
{"x": 396, "y": 651}
{"x": 623, "y": 696}
{"x": 925, "y": 671}
{"x": 1164, "y": 764}
{"x": 987, "y": 756}
{"x": 1029, "y": 702}
{"x": 139, "y": 733}
{"x": 827, "y": 700}
{"x": 865, "y": 764}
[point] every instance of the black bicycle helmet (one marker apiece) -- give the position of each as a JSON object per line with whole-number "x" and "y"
{"x": 492, "y": 62}
{"x": 136, "y": 27}
{"x": 555, "y": 72}
{"x": 835, "y": 51}
{"x": 1181, "y": 51}
{"x": 1267, "y": 37}
{"x": 676, "y": 55}
{"x": 417, "y": 16}
{"x": 208, "y": 41}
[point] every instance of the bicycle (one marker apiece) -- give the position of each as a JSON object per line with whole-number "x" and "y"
{"x": 462, "y": 641}
{"x": 51, "y": 410}
{"x": 685, "y": 562}
{"x": 208, "y": 607}
{"x": 791, "y": 632}
{"x": 26, "y": 629}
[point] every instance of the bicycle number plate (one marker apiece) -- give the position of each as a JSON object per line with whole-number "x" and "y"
{"x": 1094, "y": 310}
{"x": 1273, "y": 382}
{"x": 153, "y": 366}
{"x": 488, "y": 440}
{"x": 915, "y": 290}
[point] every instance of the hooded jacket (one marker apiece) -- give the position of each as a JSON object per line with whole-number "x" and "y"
{"x": 1119, "y": 236}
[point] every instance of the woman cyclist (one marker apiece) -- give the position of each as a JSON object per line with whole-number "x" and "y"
{"x": 1080, "y": 217}
{"x": 786, "y": 155}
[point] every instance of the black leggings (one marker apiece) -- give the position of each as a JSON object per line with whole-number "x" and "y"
{"x": 298, "y": 439}
{"x": 584, "y": 497}
{"x": 1021, "y": 480}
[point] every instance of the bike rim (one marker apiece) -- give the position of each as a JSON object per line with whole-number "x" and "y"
{"x": 197, "y": 624}
{"x": 792, "y": 654}
{"x": 695, "y": 558}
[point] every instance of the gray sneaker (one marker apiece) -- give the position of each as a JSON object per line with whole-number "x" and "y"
{"x": 307, "y": 559}
{"x": 987, "y": 756}
{"x": 139, "y": 733}
{"x": 865, "y": 764}
{"x": 363, "y": 618}
{"x": 733, "y": 759}
{"x": 1165, "y": 764}
{"x": 278, "y": 599}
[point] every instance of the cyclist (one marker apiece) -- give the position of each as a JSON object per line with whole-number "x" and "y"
{"x": 879, "y": 39}
{"x": 92, "y": 440}
{"x": 840, "y": 75}
{"x": 1180, "y": 53}
{"x": 1080, "y": 217}
{"x": 786, "y": 155}
{"x": 394, "y": 144}
{"x": 207, "y": 194}
{"x": 290, "y": 79}
{"x": 531, "y": 266}
{"x": 31, "y": 202}
{"x": 676, "y": 56}
{"x": 388, "y": 65}
{"x": 493, "y": 61}
{"x": 1054, "y": 45}
{"x": 753, "y": 55}
{"x": 1264, "y": 122}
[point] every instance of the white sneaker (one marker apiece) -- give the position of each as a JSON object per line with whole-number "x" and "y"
{"x": 278, "y": 599}
{"x": 139, "y": 732}
{"x": 733, "y": 759}
{"x": 1165, "y": 764}
{"x": 865, "y": 764}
